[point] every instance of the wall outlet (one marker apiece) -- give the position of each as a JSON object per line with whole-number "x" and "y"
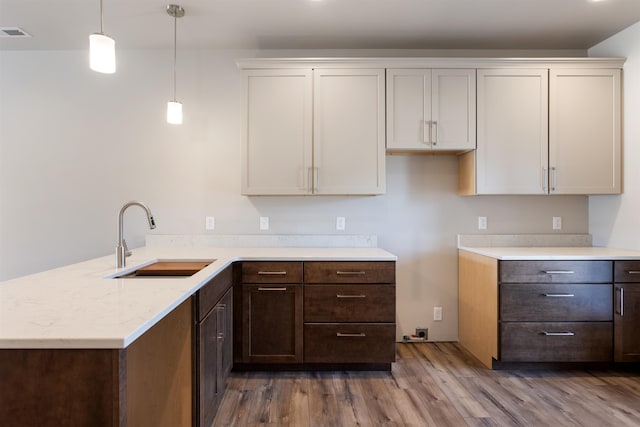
{"x": 437, "y": 313}
{"x": 482, "y": 223}
{"x": 264, "y": 223}
{"x": 557, "y": 223}
{"x": 340, "y": 223}
{"x": 422, "y": 333}
{"x": 210, "y": 223}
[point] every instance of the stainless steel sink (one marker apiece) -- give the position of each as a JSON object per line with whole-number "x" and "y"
{"x": 167, "y": 268}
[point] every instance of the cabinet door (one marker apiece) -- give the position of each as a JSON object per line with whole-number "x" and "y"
{"x": 273, "y": 323}
{"x": 512, "y": 131}
{"x": 277, "y": 132}
{"x": 584, "y": 131}
{"x": 408, "y": 110}
{"x": 208, "y": 367}
{"x": 349, "y": 131}
{"x": 225, "y": 343}
{"x": 627, "y": 322}
{"x": 431, "y": 109}
{"x": 453, "y": 109}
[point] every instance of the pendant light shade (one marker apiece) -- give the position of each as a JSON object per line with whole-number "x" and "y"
{"x": 174, "y": 112}
{"x": 102, "y": 53}
{"x": 174, "y": 108}
{"x": 102, "y": 50}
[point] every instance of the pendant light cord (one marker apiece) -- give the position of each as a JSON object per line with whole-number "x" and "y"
{"x": 175, "y": 42}
{"x": 101, "y": 19}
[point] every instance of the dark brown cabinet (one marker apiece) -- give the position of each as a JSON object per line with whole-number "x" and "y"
{"x": 214, "y": 345}
{"x": 555, "y": 311}
{"x": 271, "y": 312}
{"x": 349, "y": 312}
{"x": 316, "y": 314}
{"x": 627, "y": 311}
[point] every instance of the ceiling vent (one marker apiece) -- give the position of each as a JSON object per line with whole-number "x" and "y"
{"x": 13, "y": 32}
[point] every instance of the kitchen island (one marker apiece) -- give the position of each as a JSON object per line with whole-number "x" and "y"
{"x": 548, "y": 304}
{"x": 80, "y": 348}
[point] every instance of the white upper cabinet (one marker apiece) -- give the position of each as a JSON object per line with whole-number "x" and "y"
{"x": 313, "y": 132}
{"x": 277, "y": 131}
{"x": 584, "y": 131}
{"x": 512, "y": 152}
{"x": 431, "y": 109}
{"x": 348, "y": 131}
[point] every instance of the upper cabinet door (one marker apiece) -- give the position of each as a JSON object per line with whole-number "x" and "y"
{"x": 512, "y": 152}
{"x": 431, "y": 109}
{"x": 584, "y": 131}
{"x": 453, "y": 109}
{"x": 408, "y": 109}
{"x": 349, "y": 131}
{"x": 277, "y": 132}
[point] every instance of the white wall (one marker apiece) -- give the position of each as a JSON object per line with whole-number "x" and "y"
{"x": 75, "y": 145}
{"x": 615, "y": 220}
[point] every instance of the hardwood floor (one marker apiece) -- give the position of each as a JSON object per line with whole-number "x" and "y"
{"x": 433, "y": 384}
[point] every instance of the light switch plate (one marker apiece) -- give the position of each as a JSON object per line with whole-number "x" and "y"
{"x": 340, "y": 223}
{"x": 264, "y": 223}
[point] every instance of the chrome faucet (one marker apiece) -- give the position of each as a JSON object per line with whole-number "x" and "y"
{"x": 121, "y": 250}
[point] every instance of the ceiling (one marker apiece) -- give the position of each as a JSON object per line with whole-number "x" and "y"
{"x": 324, "y": 24}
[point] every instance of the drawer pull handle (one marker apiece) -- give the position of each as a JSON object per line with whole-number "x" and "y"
{"x": 350, "y": 296}
{"x": 558, "y": 272}
{"x": 632, "y": 271}
{"x": 272, "y": 273}
{"x": 558, "y": 295}
{"x": 350, "y": 273}
{"x": 558, "y": 334}
{"x": 272, "y": 289}
{"x": 361, "y": 334}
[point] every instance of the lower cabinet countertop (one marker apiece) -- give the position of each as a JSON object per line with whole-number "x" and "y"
{"x": 79, "y": 306}
{"x": 578, "y": 253}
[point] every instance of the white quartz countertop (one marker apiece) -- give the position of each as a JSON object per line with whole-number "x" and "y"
{"x": 78, "y": 306}
{"x": 554, "y": 253}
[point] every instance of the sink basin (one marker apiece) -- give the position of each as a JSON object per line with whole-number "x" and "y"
{"x": 164, "y": 268}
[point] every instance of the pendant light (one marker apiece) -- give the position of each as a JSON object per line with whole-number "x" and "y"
{"x": 102, "y": 50}
{"x": 174, "y": 108}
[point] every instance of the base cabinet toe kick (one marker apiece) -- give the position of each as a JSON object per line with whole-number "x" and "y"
{"x": 549, "y": 312}
{"x": 315, "y": 315}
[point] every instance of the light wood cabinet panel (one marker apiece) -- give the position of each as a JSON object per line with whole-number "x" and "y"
{"x": 277, "y": 131}
{"x": 348, "y": 131}
{"x": 431, "y": 109}
{"x": 584, "y": 131}
{"x": 512, "y": 152}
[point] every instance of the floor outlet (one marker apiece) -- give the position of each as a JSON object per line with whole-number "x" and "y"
{"x": 437, "y": 313}
{"x": 264, "y": 223}
{"x": 482, "y": 223}
{"x": 557, "y": 223}
{"x": 210, "y": 223}
{"x": 340, "y": 223}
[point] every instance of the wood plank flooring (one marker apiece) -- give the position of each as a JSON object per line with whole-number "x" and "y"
{"x": 433, "y": 384}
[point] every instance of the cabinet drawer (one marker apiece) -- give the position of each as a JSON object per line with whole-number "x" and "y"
{"x": 350, "y": 303}
{"x": 556, "y": 302}
{"x": 556, "y": 342}
{"x": 349, "y": 343}
{"x": 555, "y": 271}
{"x": 209, "y": 295}
{"x": 626, "y": 271}
{"x": 271, "y": 272}
{"x": 350, "y": 272}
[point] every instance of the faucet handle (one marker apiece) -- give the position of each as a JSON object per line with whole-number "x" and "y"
{"x": 127, "y": 252}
